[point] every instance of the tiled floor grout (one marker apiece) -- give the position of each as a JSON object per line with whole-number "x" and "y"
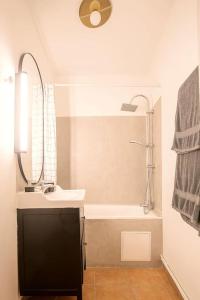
{"x": 95, "y": 292}
{"x": 117, "y": 284}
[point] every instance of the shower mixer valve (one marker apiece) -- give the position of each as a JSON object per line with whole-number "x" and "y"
{"x": 142, "y": 144}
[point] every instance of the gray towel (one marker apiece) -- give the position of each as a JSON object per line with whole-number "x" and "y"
{"x": 187, "y": 125}
{"x": 186, "y": 197}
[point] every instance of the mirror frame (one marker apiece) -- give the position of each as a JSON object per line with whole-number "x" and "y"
{"x": 19, "y": 158}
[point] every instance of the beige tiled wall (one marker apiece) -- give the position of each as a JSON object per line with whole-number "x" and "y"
{"x": 103, "y": 239}
{"x": 63, "y": 133}
{"x": 157, "y": 157}
{"x": 94, "y": 153}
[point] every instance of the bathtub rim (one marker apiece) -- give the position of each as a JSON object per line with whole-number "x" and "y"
{"x": 152, "y": 215}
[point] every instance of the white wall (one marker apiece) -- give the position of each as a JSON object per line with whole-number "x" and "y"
{"x": 118, "y": 47}
{"x": 102, "y": 99}
{"x": 17, "y": 35}
{"x": 176, "y": 59}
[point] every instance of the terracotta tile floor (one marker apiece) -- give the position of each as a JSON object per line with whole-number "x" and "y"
{"x": 125, "y": 284}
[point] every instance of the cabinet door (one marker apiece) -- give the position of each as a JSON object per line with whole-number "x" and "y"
{"x": 83, "y": 245}
{"x": 49, "y": 249}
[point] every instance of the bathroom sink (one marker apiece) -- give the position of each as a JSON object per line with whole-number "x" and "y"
{"x": 65, "y": 195}
{"x": 58, "y": 199}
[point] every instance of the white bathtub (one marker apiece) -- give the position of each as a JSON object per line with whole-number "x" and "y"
{"x": 100, "y": 211}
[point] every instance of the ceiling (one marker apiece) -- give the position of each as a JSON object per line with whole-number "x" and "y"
{"x": 124, "y": 45}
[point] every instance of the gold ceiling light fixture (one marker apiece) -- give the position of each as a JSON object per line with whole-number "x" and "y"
{"x": 95, "y": 13}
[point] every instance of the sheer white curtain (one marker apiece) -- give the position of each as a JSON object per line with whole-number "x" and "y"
{"x": 50, "y": 161}
{"x": 36, "y": 137}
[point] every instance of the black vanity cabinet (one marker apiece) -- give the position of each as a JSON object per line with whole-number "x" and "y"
{"x": 51, "y": 254}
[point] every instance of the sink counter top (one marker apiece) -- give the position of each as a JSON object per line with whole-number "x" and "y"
{"x": 58, "y": 199}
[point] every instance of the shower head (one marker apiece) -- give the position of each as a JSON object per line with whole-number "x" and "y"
{"x": 128, "y": 107}
{"x": 131, "y": 108}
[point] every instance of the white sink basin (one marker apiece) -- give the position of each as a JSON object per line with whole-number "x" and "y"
{"x": 58, "y": 199}
{"x": 65, "y": 195}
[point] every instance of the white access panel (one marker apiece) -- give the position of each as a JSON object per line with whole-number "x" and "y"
{"x": 135, "y": 246}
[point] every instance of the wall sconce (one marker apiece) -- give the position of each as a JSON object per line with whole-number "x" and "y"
{"x": 21, "y": 112}
{"x": 95, "y": 13}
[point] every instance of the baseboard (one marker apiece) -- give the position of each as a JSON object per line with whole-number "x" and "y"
{"x": 179, "y": 287}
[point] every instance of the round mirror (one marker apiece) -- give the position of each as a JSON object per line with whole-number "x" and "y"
{"x": 31, "y": 162}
